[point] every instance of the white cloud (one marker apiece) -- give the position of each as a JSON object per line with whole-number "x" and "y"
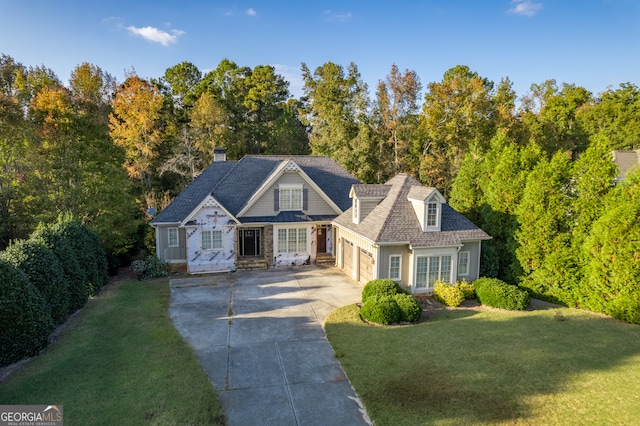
{"x": 156, "y": 35}
{"x": 337, "y": 17}
{"x": 525, "y": 7}
{"x": 251, "y": 12}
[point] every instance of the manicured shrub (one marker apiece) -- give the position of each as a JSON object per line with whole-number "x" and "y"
{"x": 381, "y": 287}
{"x": 410, "y": 309}
{"x": 89, "y": 252}
{"x": 51, "y": 236}
{"x": 44, "y": 272}
{"x": 467, "y": 289}
{"x": 448, "y": 294}
{"x": 150, "y": 267}
{"x": 381, "y": 310}
{"x": 498, "y": 294}
{"x": 26, "y": 324}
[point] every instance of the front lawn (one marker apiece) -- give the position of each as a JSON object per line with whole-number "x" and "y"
{"x": 120, "y": 362}
{"x": 544, "y": 367}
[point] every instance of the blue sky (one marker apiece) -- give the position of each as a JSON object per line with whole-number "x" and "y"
{"x": 590, "y": 43}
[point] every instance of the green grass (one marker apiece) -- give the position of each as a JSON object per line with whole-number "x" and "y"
{"x": 120, "y": 362}
{"x": 547, "y": 367}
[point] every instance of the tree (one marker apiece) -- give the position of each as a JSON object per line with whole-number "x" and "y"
{"x": 335, "y": 109}
{"x": 266, "y": 93}
{"x": 396, "y": 119}
{"x": 183, "y": 79}
{"x": 457, "y": 113}
{"x": 615, "y": 115}
{"x": 545, "y": 252}
{"x": 135, "y": 126}
{"x": 612, "y": 283}
{"x": 550, "y": 116}
{"x": 15, "y": 131}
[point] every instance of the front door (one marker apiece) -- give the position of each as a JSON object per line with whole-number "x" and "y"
{"x": 321, "y": 238}
{"x": 249, "y": 242}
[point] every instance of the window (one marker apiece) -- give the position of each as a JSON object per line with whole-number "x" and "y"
{"x": 430, "y": 269}
{"x": 292, "y": 240}
{"x": 211, "y": 240}
{"x": 432, "y": 214}
{"x": 463, "y": 263}
{"x": 394, "y": 267}
{"x": 355, "y": 213}
{"x": 173, "y": 237}
{"x": 290, "y": 198}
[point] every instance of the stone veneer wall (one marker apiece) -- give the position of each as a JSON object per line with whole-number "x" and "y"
{"x": 267, "y": 242}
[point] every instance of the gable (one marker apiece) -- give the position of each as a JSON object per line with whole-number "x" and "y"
{"x": 208, "y": 203}
{"x": 265, "y": 204}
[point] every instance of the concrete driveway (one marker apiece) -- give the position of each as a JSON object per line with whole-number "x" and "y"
{"x": 259, "y": 336}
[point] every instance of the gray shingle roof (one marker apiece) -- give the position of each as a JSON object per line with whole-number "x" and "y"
{"x": 233, "y": 183}
{"x": 394, "y": 220}
{"x": 371, "y": 191}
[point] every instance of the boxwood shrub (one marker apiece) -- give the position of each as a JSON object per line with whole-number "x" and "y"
{"x": 381, "y": 287}
{"x": 381, "y": 310}
{"x": 409, "y": 307}
{"x": 44, "y": 272}
{"x": 26, "y": 324}
{"x": 498, "y": 294}
{"x": 448, "y": 294}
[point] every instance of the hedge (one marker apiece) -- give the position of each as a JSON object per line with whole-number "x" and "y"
{"x": 44, "y": 272}
{"x": 26, "y": 324}
{"x": 51, "y": 235}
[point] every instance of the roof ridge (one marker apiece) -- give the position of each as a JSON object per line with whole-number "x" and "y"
{"x": 395, "y": 199}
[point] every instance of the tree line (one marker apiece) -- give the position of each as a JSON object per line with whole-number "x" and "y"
{"x": 106, "y": 151}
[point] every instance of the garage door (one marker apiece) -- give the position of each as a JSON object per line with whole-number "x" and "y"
{"x": 366, "y": 266}
{"x": 347, "y": 256}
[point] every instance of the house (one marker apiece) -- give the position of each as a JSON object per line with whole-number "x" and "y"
{"x": 625, "y": 160}
{"x": 406, "y": 232}
{"x": 258, "y": 212}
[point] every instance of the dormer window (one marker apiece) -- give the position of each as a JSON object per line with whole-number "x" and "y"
{"x": 432, "y": 214}
{"x": 427, "y": 204}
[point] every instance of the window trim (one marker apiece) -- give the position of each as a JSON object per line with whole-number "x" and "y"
{"x": 435, "y": 217}
{"x": 286, "y": 240}
{"x": 212, "y": 241}
{"x": 289, "y": 199}
{"x": 428, "y": 260}
{"x": 460, "y": 271}
{"x": 399, "y": 276}
{"x": 177, "y": 237}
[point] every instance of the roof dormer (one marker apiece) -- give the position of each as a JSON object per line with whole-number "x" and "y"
{"x": 427, "y": 204}
{"x": 364, "y": 199}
